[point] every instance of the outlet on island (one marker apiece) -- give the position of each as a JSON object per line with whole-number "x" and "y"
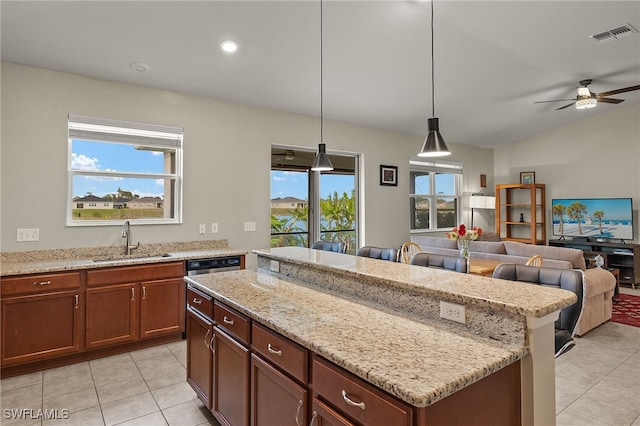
{"x": 453, "y": 312}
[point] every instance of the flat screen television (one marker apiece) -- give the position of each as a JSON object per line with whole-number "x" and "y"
{"x": 610, "y": 218}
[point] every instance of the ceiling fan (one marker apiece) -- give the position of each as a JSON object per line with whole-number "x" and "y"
{"x": 288, "y": 154}
{"x": 587, "y": 99}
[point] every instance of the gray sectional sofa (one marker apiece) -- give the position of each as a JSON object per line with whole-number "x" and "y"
{"x": 599, "y": 284}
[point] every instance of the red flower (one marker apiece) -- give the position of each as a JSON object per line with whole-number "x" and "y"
{"x": 462, "y": 230}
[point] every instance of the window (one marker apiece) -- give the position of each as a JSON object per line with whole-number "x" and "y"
{"x": 121, "y": 170}
{"x": 434, "y": 195}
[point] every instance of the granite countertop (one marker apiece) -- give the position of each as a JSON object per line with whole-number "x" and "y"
{"x": 58, "y": 260}
{"x": 497, "y": 294}
{"x": 419, "y": 362}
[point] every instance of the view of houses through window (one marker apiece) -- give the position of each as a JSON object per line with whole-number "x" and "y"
{"x": 121, "y": 170}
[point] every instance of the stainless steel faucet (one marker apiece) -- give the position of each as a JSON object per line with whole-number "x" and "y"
{"x": 126, "y": 233}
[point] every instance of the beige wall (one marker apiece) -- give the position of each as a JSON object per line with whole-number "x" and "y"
{"x": 226, "y": 157}
{"x": 594, "y": 157}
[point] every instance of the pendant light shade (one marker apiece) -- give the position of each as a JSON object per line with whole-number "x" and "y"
{"x": 322, "y": 162}
{"x": 433, "y": 145}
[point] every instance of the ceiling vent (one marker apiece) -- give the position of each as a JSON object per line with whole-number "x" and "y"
{"x": 614, "y": 34}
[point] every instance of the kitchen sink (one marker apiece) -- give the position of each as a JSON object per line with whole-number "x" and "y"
{"x": 110, "y": 258}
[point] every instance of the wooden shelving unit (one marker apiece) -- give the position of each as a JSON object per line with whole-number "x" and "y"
{"x": 520, "y": 213}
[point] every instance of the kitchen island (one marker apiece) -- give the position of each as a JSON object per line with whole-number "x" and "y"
{"x": 345, "y": 311}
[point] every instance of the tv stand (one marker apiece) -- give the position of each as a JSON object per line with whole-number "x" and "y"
{"x": 623, "y": 256}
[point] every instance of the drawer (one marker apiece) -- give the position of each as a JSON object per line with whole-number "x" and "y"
{"x": 129, "y": 274}
{"x": 200, "y": 302}
{"x": 282, "y": 352}
{"x": 30, "y": 284}
{"x": 357, "y": 399}
{"x": 232, "y": 321}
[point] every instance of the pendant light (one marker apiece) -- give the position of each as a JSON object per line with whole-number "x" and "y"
{"x": 322, "y": 162}
{"x": 433, "y": 145}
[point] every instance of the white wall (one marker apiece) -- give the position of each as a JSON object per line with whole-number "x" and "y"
{"x": 226, "y": 161}
{"x": 595, "y": 157}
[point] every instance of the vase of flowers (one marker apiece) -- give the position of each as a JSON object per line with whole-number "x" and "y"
{"x": 464, "y": 237}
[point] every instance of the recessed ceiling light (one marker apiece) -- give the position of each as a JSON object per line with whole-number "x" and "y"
{"x": 229, "y": 46}
{"x": 139, "y": 67}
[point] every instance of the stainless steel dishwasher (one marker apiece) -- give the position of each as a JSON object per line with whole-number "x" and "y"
{"x": 213, "y": 264}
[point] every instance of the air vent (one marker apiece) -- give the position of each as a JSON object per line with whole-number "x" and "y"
{"x": 614, "y": 34}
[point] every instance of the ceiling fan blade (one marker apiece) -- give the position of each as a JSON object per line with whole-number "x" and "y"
{"x": 556, "y": 100}
{"x": 566, "y": 106}
{"x": 609, "y": 100}
{"x": 615, "y": 92}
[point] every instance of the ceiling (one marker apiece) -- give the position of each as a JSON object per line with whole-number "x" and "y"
{"x": 493, "y": 59}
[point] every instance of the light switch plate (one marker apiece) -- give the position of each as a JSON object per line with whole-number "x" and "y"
{"x": 28, "y": 234}
{"x": 214, "y": 228}
{"x": 249, "y": 226}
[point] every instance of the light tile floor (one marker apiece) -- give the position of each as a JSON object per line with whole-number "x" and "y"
{"x": 597, "y": 384}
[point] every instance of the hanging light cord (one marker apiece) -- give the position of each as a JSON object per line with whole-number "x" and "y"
{"x": 321, "y": 80}
{"x": 433, "y": 95}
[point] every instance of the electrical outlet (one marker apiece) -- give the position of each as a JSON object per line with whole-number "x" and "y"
{"x": 452, "y": 311}
{"x": 202, "y": 229}
{"x": 214, "y": 228}
{"x": 249, "y": 226}
{"x": 28, "y": 234}
{"x": 275, "y": 266}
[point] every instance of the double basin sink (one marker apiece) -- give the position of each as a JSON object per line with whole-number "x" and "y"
{"x": 111, "y": 257}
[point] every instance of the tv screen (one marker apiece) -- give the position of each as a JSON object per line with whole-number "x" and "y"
{"x": 593, "y": 217}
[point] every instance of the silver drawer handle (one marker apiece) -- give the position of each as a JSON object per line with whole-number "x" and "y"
{"x": 197, "y": 301}
{"x": 274, "y": 351}
{"x": 206, "y": 340}
{"x": 313, "y": 419}
{"x": 350, "y": 402}
{"x": 41, "y": 283}
{"x": 298, "y": 413}
{"x": 227, "y": 320}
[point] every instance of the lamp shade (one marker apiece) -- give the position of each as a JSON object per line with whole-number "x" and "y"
{"x": 322, "y": 162}
{"x": 482, "y": 202}
{"x": 586, "y": 102}
{"x": 434, "y": 145}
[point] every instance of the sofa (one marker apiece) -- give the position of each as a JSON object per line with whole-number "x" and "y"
{"x": 599, "y": 284}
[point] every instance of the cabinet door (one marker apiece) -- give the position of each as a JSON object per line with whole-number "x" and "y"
{"x": 111, "y": 315}
{"x": 230, "y": 397}
{"x": 161, "y": 307}
{"x": 276, "y": 400}
{"x": 323, "y": 415}
{"x": 40, "y": 326}
{"x": 199, "y": 356}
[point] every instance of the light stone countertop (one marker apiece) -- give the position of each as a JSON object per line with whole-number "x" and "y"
{"x": 60, "y": 260}
{"x": 420, "y": 362}
{"x": 497, "y": 294}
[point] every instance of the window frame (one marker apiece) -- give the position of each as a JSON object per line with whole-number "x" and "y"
{"x": 433, "y": 168}
{"x": 102, "y": 130}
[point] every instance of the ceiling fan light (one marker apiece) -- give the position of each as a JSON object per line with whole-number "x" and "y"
{"x": 434, "y": 145}
{"x": 322, "y": 162}
{"x": 586, "y": 102}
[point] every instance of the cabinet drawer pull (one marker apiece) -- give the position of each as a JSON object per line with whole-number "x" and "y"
{"x": 197, "y": 301}
{"x": 274, "y": 351}
{"x": 144, "y": 291}
{"x": 76, "y": 301}
{"x": 313, "y": 419}
{"x": 133, "y": 293}
{"x": 212, "y": 344}
{"x": 42, "y": 283}
{"x": 298, "y": 413}
{"x": 206, "y": 339}
{"x": 350, "y": 402}
{"x": 227, "y": 320}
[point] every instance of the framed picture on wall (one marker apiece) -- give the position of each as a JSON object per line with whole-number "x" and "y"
{"x": 388, "y": 175}
{"x": 527, "y": 177}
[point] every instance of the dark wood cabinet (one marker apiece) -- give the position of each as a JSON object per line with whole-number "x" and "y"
{"x": 276, "y": 400}
{"x": 230, "y": 394}
{"x": 161, "y": 307}
{"x": 111, "y": 315}
{"x": 200, "y": 355}
{"x": 40, "y": 326}
{"x": 323, "y": 415}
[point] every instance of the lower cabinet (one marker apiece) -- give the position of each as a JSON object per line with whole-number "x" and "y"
{"x": 276, "y": 400}
{"x": 40, "y": 326}
{"x": 230, "y": 395}
{"x": 111, "y": 315}
{"x": 323, "y": 415}
{"x": 199, "y": 355}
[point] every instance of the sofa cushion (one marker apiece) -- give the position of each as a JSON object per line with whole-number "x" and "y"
{"x": 440, "y": 242}
{"x": 575, "y": 256}
{"x": 487, "y": 247}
